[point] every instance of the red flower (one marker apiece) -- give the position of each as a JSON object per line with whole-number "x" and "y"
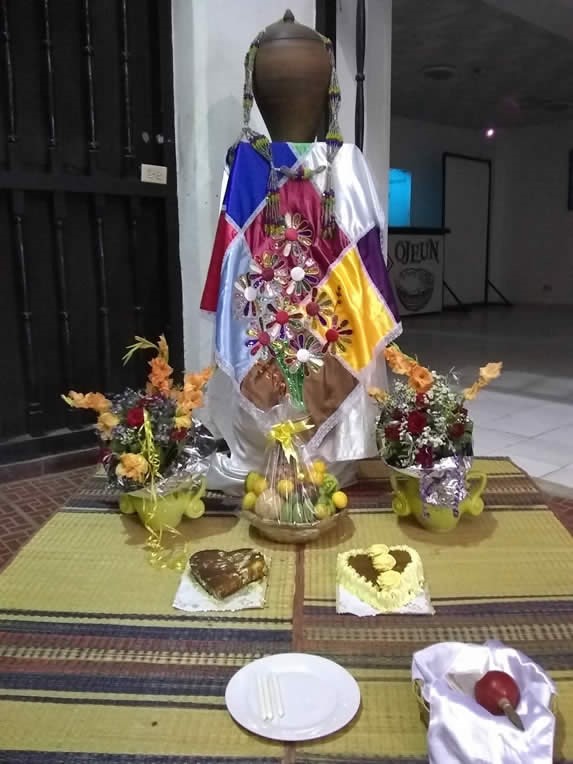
{"x": 417, "y": 420}
{"x": 179, "y": 434}
{"x": 134, "y": 417}
{"x": 424, "y": 457}
{"x": 397, "y": 415}
{"x": 457, "y": 430}
{"x": 392, "y": 432}
{"x": 421, "y": 400}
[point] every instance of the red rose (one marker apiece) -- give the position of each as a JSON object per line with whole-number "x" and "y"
{"x": 134, "y": 417}
{"x": 417, "y": 420}
{"x": 397, "y": 415}
{"x": 179, "y": 434}
{"x": 424, "y": 457}
{"x": 457, "y": 430}
{"x": 392, "y": 432}
{"x": 421, "y": 400}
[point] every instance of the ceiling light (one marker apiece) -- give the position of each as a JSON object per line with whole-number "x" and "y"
{"x": 490, "y": 132}
{"x": 439, "y": 72}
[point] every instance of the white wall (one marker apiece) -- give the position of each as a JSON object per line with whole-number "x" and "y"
{"x": 210, "y": 39}
{"x": 418, "y": 147}
{"x": 532, "y": 243}
{"x": 531, "y": 239}
{"x": 377, "y": 84}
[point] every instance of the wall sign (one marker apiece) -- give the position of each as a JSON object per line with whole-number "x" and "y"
{"x": 416, "y": 265}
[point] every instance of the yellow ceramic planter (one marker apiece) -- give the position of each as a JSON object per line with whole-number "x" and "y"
{"x": 407, "y": 501}
{"x": 164, "y": 511}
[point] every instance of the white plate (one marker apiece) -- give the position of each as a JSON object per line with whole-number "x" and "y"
{"x": 319, "y": 696}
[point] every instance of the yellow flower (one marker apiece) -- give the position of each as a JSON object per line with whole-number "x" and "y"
{"x": 182, "y": 422}
{"x": 132, "y": 466}
{"x": 198, "y": 379}
{"x": 421, "y": 379}
{"x": 398, "y": 362}
{"x": 95, "y": 401}
{"x": 191, "y": 396}
{"x": 160, "y": 375}
{"x": 470, "y": 393}
{"x": 490, "y": 371}
{"x": 163, "y": 347}
{"x": 487, "y": 373}
{"x": 187, "y": 401}
{"x": 379, "y": 395}
{"x": 105, "y": 424}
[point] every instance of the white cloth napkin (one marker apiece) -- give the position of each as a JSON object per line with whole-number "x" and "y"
{"x": 349, "y": 603}
{"x": 460, "y": 730}
{"x": 192, "y": 598}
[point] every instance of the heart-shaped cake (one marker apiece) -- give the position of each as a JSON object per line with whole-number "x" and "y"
{"x": 224, "y": 573}
{"x": 385, "y": 577}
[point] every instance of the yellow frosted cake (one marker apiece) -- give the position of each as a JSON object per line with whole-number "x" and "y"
{"x": 387, "y": 578}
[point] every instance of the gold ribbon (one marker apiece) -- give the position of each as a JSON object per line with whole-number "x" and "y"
{"x": 158, "y": 555}
{"x": 284, "y": 433}
{"x": 161, "y": 557}
{"x": 171, "y": 558}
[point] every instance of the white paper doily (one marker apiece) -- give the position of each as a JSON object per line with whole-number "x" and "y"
{"x": 349, "y": 603}
{"x": 192, "y": 598}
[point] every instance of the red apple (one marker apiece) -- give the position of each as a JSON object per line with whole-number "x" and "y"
{"x": 495, "y": 690}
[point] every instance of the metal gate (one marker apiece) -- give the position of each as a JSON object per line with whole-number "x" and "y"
{"x": 88, "y": 252}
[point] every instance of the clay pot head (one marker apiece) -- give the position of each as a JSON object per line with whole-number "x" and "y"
{"x": 291, "y": 78}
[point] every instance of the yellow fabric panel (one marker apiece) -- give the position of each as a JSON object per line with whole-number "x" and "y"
{"x": 361, "y": 306}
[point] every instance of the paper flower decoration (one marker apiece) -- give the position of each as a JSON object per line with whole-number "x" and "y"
{"x": 296, "y": 237}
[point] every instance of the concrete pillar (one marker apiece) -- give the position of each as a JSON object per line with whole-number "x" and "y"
{"x": 377, "y": 85}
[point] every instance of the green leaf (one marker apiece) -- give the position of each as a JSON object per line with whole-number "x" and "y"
{"x": 141, "y": 344}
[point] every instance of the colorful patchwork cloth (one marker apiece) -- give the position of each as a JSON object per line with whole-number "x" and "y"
{"x": 331, "y": 298}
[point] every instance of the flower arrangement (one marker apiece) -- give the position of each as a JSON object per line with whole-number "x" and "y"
{"x": 423, "y": 420}
{"x": 144, "y": 433}
{"x": 281, "y": 298}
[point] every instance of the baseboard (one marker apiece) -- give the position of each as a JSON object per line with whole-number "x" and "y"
{"x": 26, "y": 448}
{"x": 32, "y": 468}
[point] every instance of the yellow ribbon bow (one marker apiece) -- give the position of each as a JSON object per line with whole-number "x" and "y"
{"x": 284, "y": 433}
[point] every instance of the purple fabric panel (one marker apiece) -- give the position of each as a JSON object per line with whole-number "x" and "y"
{"x": 371, "y": 254}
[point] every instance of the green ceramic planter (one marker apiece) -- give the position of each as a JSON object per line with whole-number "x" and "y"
{"x": 164, "y": 511}
{"x": 406, "y": 501}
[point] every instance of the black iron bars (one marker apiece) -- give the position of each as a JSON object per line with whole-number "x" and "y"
{"x": 89, "y": 54}
{"x": 360, "y": 55}
{"x": 34, "y": 410}
{"x": 12, "y": 138}
{"x": 128, "y": 153}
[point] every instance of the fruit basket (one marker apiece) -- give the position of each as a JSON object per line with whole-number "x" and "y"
{"x": 293, "y": 533}
{"x": 293, "y": 504}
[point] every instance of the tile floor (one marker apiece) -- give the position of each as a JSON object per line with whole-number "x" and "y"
{"x": 527, "y": 414}
{"x": 25, "y": 505}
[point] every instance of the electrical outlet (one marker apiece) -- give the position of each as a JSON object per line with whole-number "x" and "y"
{"x": 153, "y": 173}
